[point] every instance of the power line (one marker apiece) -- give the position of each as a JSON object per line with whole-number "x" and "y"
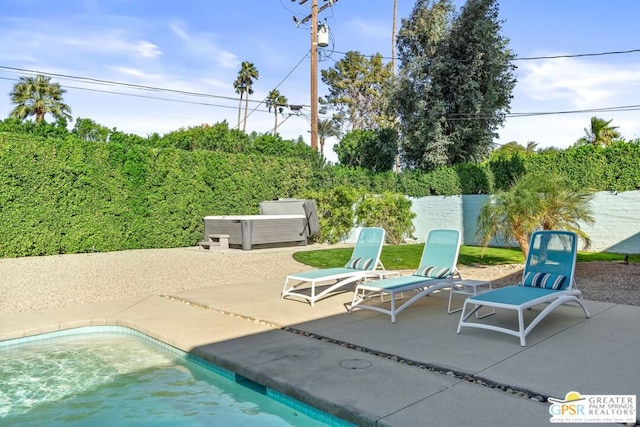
{"x": 278, "y": 85}
{"x": 623, "y": 108}
{"x": 534, "y": 58}
{"x": 578, "y": 55}
{"x": 103, "y": 82}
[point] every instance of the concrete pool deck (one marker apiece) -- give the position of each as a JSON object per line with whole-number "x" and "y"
{"x": 365, "y": 369}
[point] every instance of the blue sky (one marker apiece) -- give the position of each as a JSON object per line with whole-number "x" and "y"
{"x": 197, "y": 46}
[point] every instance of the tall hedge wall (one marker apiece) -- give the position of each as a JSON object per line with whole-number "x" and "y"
{"x": 58, "y": 196}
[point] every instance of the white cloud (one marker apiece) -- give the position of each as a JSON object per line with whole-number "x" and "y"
{"x": 583, "y": 84}
{"x": 571, "y": 84}
{"x": 147, "y": 49}
{"x": 203, "y": 45}
{"x": 138, "y": 74}
{"x": 370, "y": 29}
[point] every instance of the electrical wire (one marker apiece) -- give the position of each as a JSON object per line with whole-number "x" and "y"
{"x": 278, "y": 85}
{"x": 112, "y": 83}
{"x": 534, "y": 58}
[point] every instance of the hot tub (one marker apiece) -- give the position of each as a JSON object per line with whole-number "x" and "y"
{"x": 251, "y": 230}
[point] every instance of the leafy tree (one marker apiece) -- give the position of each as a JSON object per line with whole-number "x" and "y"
{"x": 455, "y": 82}
{"x": 37, "y": 96}
{"x": 31, "y": 128}
{"x": 424, "y": 144}
{"x": 356, "y": 85}
{"x": 244, "y": 85}
{"x": 278, "y": 102}
{"x": 88, "y": 130}
{"x": 326, "y": 129}
{"x": 535, "y": 201}
{"x": 373, "y": 150}
{"x": 600, "y": 133}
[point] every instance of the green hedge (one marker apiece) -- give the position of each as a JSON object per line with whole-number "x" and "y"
{"x": 59, "y": 196}
{"x": 62, "y": 194}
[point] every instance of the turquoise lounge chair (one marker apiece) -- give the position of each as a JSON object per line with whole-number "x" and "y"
{"x": 436, "y": 271}
{"x": 364, "y": 259}
{"x": 548, "y": 278}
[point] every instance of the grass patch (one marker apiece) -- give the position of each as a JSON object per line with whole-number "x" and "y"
{"x": 407, "y": 257}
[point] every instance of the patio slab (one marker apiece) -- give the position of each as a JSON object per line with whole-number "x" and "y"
{"x": 352, "y": 365}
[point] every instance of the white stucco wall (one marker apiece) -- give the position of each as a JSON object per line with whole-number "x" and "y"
{"x": 616, "y": 227}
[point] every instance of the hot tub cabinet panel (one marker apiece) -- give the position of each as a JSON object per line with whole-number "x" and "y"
{"x": 248, "y": 231}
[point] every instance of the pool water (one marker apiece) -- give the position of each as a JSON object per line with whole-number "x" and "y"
{"x": 112, "y": 379}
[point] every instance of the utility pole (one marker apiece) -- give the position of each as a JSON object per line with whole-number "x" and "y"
{"x": 314, "y": 63}
{"x": 393, "y": 68}
{"x": 314, "y": 75}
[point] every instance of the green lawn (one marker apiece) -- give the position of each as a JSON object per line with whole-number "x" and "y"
{"x": 407, "y": 257}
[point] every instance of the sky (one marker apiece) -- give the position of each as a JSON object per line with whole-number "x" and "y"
{"x": 145, "y": 66}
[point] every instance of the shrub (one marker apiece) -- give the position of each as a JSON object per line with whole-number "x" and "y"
{"x": 390, "y": 211}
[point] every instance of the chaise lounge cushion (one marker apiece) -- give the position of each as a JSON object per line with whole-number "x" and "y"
{"x": 359, "y": 263}
{"x": 545, "y": 280}
{"x": 433, "y": 272}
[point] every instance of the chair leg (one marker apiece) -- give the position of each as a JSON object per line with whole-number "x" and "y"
{"x": 521, "y": 330}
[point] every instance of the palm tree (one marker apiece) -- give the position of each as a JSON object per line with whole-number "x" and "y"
{"x": 535, "y": 201}
{"x": 239, "y": 88}
{"x": 531, "y": 147}
{"x": 511, "y": 147}
{"x": 326, "y": 129}
{"x": 37, "y": 96}
{"x": 248, "y": 72}
{"x": 600, "y": 132}
{"x": 276, "y": 101}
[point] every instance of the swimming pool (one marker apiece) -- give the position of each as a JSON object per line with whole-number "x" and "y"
{"x": 102, "y": 376}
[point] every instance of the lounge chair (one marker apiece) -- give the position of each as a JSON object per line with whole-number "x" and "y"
{"x": 316, "y": 284}
{"x": 548, "y": 278}
{"x": 436, "y": 271}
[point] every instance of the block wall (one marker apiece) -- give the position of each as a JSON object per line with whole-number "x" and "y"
{"x": 616, "y": 227}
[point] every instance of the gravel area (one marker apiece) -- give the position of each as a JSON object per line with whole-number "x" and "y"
{"x": 604, "y": 281}
{"x": 34, "y": 283}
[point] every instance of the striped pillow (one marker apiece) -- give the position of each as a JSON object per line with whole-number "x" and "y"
{"x": 359, "y": 263}
{"x": 544, "y": 280}
{"x": 433, "y": 272}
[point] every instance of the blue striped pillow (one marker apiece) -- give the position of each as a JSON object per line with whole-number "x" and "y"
{"x": 544, "y": 280}
{"x": 360, "y": 263}
{"x": 433, "y": 272}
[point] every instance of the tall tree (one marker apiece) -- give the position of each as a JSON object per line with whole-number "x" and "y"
{"x": 423, "y": 142}
{"x": 371, "y": 149}
{"x": 246, "y": 76}
{"x": 356, "y": 84}
{"x": 278, "y": 102}
{"x": 37, "y": 96}
{"x": 238, "y": 86}
{"x": 326, "y": 129}
{"x": 478, "y": 80}
{"x": 455, "y": 83}
{"x": 600, "y": 133}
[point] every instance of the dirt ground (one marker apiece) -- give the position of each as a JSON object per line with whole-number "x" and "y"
{"x": 603, "y": 281}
